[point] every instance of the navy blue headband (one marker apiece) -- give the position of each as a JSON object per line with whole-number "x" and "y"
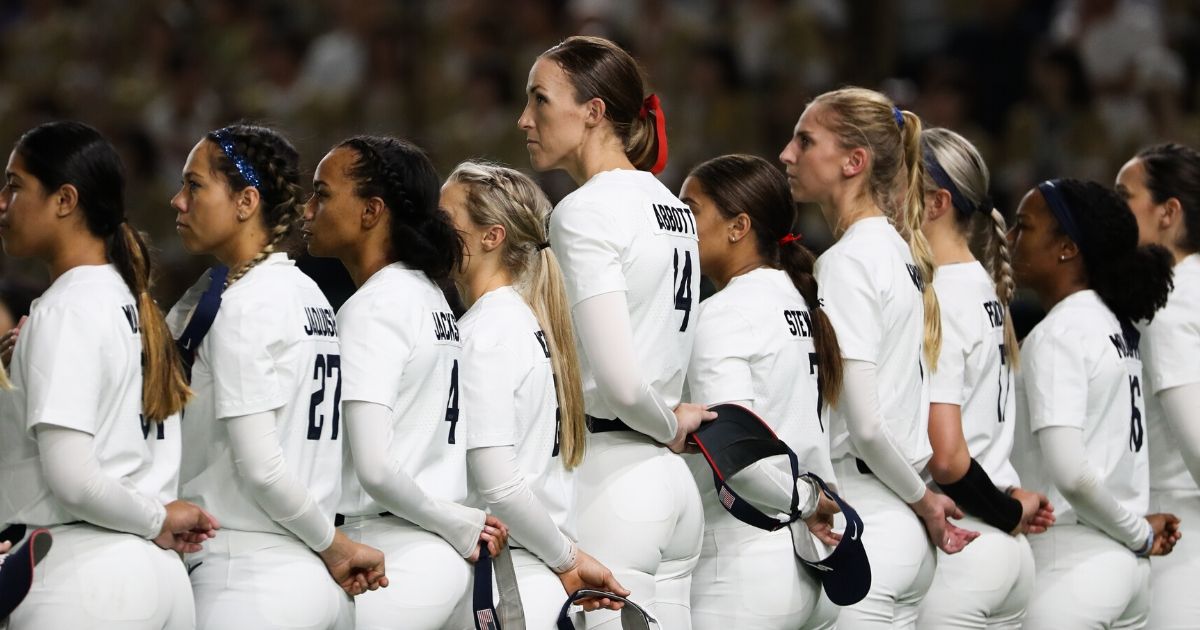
{"x": 239, "y": 162}
{"x": 1062, "y": 211}
{"x": 899, "y": 116}
{"x": 942, "y": 179}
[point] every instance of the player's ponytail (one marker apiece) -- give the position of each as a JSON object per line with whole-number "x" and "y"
{"x": 398, "y": 172}
{"x": 249, "y": 155}
{"x": 71, "y": 153}
{"x": 953, "y": 164}
{"x": 866, "y": 119}
{"x": 598, "y": 68}
{"x": 1134, "y": 282}
{"x": 751, "y": 185}
{"x": 498, "y": 195}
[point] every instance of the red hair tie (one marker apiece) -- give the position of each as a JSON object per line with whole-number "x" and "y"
{"x": 652, "y": 107}
{"x": 790, "y": 238}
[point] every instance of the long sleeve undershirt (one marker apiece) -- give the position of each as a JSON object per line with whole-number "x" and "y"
{"x": 77, "y": 481}
{"x": 1066, "y": 462}
{"x": 260, "y": 463}
{"x": 1181, "y": 405}
{"x": 606, "y": 335}
{"x": 384, "y": 478}
{"x": 498, "y": 478}
{"x": 869, "y": 434}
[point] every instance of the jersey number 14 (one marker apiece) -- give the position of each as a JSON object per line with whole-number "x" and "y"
{"x": 683, "y": 287}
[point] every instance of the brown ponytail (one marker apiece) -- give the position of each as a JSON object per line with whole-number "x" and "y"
{"x": 164, "y": 386}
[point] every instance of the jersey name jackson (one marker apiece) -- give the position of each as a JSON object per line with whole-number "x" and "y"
{"x": 445, "y": 327}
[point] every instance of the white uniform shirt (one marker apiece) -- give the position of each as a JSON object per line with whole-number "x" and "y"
{"x": 401, "y": 348}
{"x": 624, "y": 231}
{"x": 272, "y": 347}
{"x": 754, "y": 343}
{"x": 870, "y": 289}
{"x": 78, "y": 365}
{"x": 973, "y": 370}
{"x": 508, "y": 398}
{"x": 1171, "y": 353}
{"x": 1078, "y": 371}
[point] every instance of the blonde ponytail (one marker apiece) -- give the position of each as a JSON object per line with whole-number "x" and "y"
{"x": 913, "y": 213}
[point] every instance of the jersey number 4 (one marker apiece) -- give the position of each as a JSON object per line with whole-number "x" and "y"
{"x": 683, "y": 287}
{"x": 452, "y": 402}
{"x": 323, "y": 373}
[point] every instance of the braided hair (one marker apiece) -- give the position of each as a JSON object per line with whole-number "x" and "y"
{"x": 277, "y": 165}
{"x": 398, "y": 172}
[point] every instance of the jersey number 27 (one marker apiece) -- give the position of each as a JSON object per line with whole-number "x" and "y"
{"x": 323, "y": 373}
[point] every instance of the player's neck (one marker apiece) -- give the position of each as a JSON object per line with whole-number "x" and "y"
{"x": 948, "y": 244}
{"x": 77, "y": 253}
{"x": 487, "y": 276}
{"x": 1059, "y": 291}
{"x": 740, "y": 263}
{"x": 603, "y": 153}
{"x": 242, "y": 248}
{"x": 365, "y": 261}
{"x": 850, "y": 207}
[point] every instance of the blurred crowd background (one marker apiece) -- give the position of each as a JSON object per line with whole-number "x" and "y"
{"x": 1044, "y": 88}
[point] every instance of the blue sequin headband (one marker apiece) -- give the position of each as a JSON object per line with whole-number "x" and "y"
{"x": 243, "y": 167}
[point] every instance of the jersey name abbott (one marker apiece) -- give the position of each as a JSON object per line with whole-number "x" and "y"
{"x": 666, "y": 219}
{"x": 321, "y": 322}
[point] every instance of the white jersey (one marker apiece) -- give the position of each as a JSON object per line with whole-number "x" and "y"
{"x": 1171, "y": 354}
{"x": 401, "y": 348}
{"x": 973, "y": 370}
{"x": 754, "y": 343}
{"x": 624, "y": 231}
{"x": 1078, "y": 370}
{"x": 78, "y": 365}
{"x": 509, "y": 399}
{"x": 871, "y": 291}
{"x": 272, "y": 347}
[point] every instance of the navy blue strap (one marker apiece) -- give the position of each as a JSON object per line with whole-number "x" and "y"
{"x": 942, "y": 179}
{"x": 633, "y": 617}
{"x": 203, "y": 317}
{"x": 484, "y": 611}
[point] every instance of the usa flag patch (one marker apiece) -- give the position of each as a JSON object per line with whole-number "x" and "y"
{"x": 726, "y": 497}
{"x": 485, "y": 620}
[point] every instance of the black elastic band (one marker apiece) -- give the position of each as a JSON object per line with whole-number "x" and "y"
{"x": 603, "y": 425}
{"x": 977, "y": 495}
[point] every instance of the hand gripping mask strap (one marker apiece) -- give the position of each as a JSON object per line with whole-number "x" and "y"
{"x": 735, "y": 440}
{"x": 202, "y": 318}
{"x": 633, "y": 617}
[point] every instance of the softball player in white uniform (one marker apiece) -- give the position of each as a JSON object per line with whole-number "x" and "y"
{"x": 1162, "y": 187}
{"x": 405, "y": 478}
{"x": 80, "y": 447}
{"x": 973, "y": 402}
{"x": 264, "y": 430}
{"x": 755, "y": 347}
{"x": 877, "y": 290}
{"x": 627, "y": 247}
{"x": 1081, "y": 438}
{"x": 521, "y": 390}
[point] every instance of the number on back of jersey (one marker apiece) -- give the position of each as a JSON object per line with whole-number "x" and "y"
{"x": 452, "y": 402}
{"x": 683, "y": 286}
{"x": 327, "y": 373}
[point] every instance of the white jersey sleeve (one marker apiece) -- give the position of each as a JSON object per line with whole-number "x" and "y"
{"x": 243, "y": 358}
{"x": 1056, "y": 382}
{"x": 846, "y": 293}
{"x": 720, "y": 369}
{"x": 65, "y": 345}
{"x": 591, "y": 250}
{"x": 375, "y": 350}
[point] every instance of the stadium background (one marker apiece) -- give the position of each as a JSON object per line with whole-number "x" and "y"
{"x": 1043, "y": 88}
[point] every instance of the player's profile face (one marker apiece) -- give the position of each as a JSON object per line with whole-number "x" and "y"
{"x": 206, "y": 216}
{"x": 710, "y": 226}
{"x": 1131, "y": 186}
{"x": 454, "y": 203}
{"x": 1033, "y": 239}
{"x": 26, "y": 212}
{"x": 813, "y": 158}
{"x": 553, "y": 121}
{"x": 333, "y": 214}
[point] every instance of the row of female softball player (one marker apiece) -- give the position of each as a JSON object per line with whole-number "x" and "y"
{"x": 268, "y": 394}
